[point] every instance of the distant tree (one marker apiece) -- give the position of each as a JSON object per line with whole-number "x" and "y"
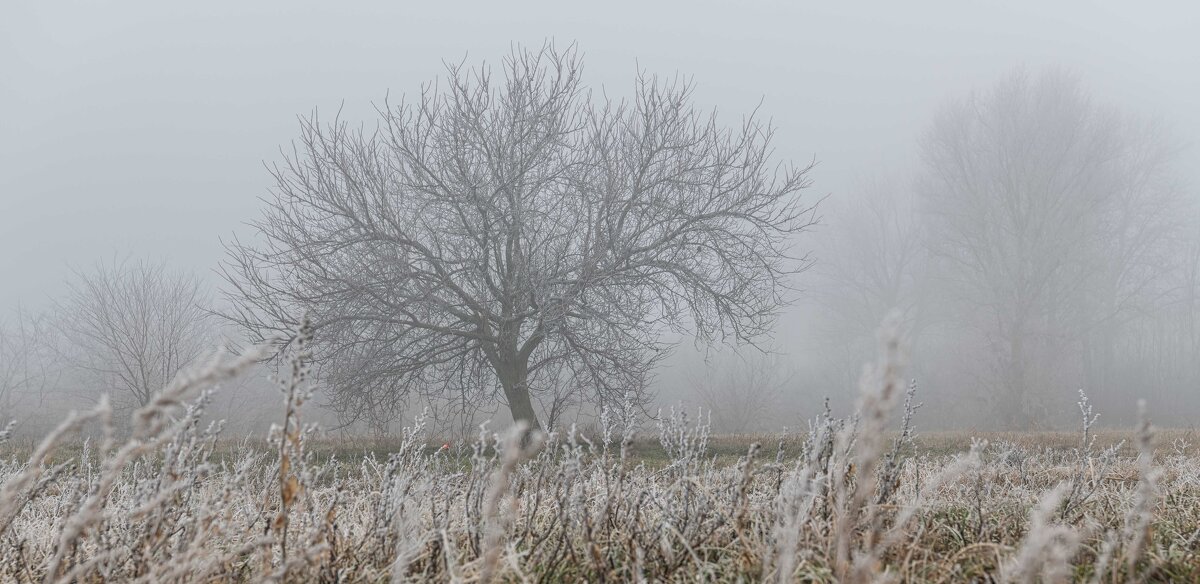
{"x": 520, "y": 233}
{"x": 1147, "y": 235}
{"x": 1045, "y": 213}
{"x": 131, "y": 326}
{"x": 27, "y": 368}
{"x": 1153, "y": 347}
{"x": 872, "y": 262}
{"x": 743, "y": 392}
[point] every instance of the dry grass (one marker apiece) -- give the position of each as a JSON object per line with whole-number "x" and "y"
{"x": 846, "y": 501}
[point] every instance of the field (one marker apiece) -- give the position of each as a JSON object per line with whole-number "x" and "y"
{"x": 851, "y": 500}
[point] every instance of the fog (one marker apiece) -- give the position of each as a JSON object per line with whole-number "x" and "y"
{"x": 140, "y": 132}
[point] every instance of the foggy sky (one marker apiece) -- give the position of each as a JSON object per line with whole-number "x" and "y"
{"x": 141, "y": 128}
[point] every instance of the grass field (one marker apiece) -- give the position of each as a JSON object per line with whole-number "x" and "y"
{"x": 646, "y": 448}
{"x": 850, "y": 500}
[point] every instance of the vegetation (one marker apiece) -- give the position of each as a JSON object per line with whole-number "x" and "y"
{"x": 846, "y": 501}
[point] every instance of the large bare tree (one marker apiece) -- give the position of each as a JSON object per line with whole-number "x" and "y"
{"x": 131, "y": 326}
{"x": 516, "y": 231}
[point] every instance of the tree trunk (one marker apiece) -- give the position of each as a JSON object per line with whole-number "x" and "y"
{"x": 513, "y": 378}
{"x": 1013, "y": 408}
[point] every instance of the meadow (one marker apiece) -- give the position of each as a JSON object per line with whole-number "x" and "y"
{"x": 167, "y": 498}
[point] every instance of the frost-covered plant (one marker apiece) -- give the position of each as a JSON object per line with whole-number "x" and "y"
{"x": 174, "y": 502}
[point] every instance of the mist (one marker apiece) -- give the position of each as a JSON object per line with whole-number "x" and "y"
{"x": 1014, "y": 186}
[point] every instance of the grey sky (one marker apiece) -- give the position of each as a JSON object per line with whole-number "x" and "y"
{"x": 141, "y": 127}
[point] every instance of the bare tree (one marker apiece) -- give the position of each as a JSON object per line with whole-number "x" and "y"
{"x": 132, "y": 326}
{"x": 27, "y": 369}
{"x": 1144, "y": 244}
{"x": 1153, "y": 347}
{"x": 743, "y": 392}
{"x": 871, "y": 263}
{"x": 520, "y": 233}
{"x": 1045, "y": 213}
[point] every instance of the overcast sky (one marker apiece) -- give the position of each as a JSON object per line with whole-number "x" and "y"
{"x": 141, "y": 128}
